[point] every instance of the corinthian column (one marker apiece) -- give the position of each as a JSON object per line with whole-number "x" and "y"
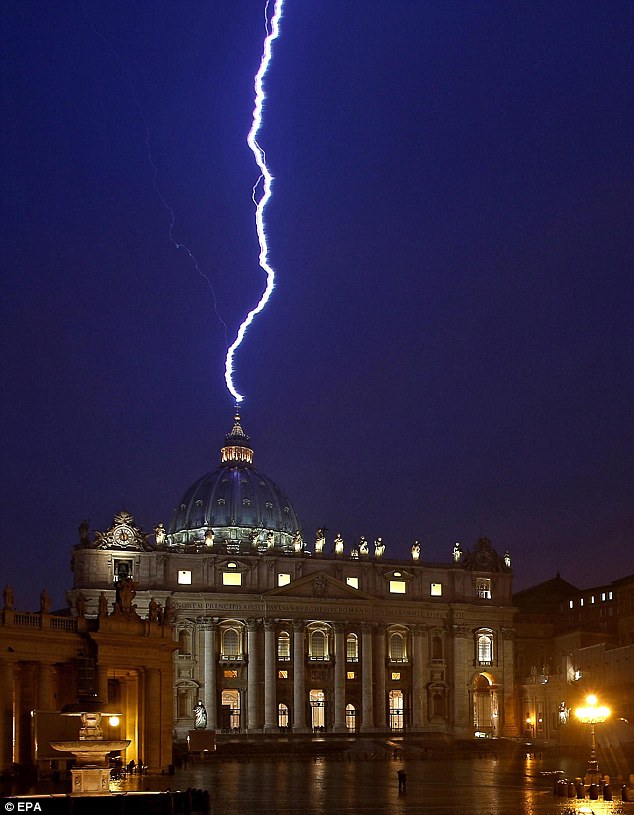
{"x": 379, "y": 678}
{"x": 299, "y": 690}
{"x": 210, "y": 627}
{"x": 367, "y": 707}
{"x": 252, "y": 677}
{"x": 340, "y": 679}
{"x": 270, "y": 718}
{"x": 460, "y": 682}
{"x": 419, "y": 643}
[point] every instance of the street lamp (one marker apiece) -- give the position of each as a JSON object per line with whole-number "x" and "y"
{"x": 592, "y": 714}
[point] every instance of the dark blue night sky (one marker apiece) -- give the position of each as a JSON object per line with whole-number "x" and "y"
{"x": 448, "y": 352}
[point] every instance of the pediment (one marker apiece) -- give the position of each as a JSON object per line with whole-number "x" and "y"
{"x": 320, "y": 586}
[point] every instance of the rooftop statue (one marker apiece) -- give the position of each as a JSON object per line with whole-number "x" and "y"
{"x": 338, "y": 544}
{"x": 416, "y": 550}
{"x": 200, "y": 716}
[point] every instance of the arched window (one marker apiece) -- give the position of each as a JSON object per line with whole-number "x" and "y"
{"x": 184, "y": 642}
{"x": 230, "y": 644}
{"x": 352, "y": 648}
{"x": 318, "y": 645}
{"x": 284, "y": 646}
{"x": 397, "y": 647}
{"x": 485, "y": 648}
{"x": 351, "y": 717}
{"x": 436, "y": 647}
{"x": 282, "y": 716}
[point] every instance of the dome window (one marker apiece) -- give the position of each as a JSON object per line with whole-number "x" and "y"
{"x": 232, "y": 565}
{"x": 287, "y": 510}
{"x": 183, "y": 506}
{"x": 221, "y": 502}
{"x": 269, "y": 505}
{"x": 246, "y": 502}
{"x": 199, "y": 503}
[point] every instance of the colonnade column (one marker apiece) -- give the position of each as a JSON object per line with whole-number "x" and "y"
{"x": 340, "y": 679}
{"x": 367, "y": 707}
{"x": 270, "y": 718}
{"x": 252, "y": 677}
{"x": 6, "y": 715}
{"x": 507, "y": 704}
{"x": 45, "y": 687}
{"x": 460, "y": 702}
{"x": 419, "y": 647}
{"x": 152, "y": 715}
{"x": 379, "y": 678}
{"x": 210, "y": 628}
{"x": 299, "y": 690}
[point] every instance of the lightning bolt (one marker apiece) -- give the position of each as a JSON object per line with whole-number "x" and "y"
{"x": 262, "y": 186}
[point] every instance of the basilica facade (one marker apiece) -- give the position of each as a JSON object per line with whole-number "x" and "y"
{"x": 277, "y": 634}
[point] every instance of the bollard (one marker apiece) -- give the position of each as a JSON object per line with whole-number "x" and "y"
{"x": 572, "y": 792}
{"x": 593, "y": 792}
{"x": 562, "y": 788}
{"x": 580, "y": 789}
{"x": 625, "y": 793}
{"x": 607, "y": 793}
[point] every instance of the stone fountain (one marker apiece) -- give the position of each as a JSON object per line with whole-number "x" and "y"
{"x": 91, "y": 774}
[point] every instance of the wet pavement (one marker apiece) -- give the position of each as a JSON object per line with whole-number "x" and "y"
{"x": 362, "y": 784}
{"x": 323, "y": 786}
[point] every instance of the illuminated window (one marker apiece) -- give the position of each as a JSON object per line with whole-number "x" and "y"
{"x": 353, "y": 581}
{"x": 572, "y": 604}
{"x": 350, "y": 675}
{"x": 592, "y": 599}
{"x": 609, "y": 595}
{"x": 230, "y": 645}
{"x": 603, "y": 596}
{"x": 396, "y": 675}
{"x": 282, "y": 674}
{"x": 185, "y": 577}
{"x": 435, "y": 589}
{"x": 581, "y": 602}
{"x": 397, "y": 648}
{"x": 397, "y": 587}
{"x": 483, "y": 588}
{"x": 282, "y": 715}
{"x": 231, "y": 579}
{"x": 284, "y": 646}
{"x": 485, "y": 648}
{"x": 231, "y": 674}
{"x": 283, "y": 579}
{"x": 318, "y": 645}
{"x": 352, "y": 648}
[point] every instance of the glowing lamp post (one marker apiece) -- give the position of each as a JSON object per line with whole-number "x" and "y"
{"x": 592, "y": 714}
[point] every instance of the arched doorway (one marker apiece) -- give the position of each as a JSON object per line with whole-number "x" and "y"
{"x": 231, "y": 709}
{"x": 484, "y": 702}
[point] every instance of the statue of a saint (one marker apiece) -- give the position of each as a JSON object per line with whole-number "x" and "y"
{"x": 255, "y": 538}
{"x": 8, "y": 598}
{"x": 126, "y": 592}
{"x": 159, "y": 532}
{"x": 153, "y": 609}
{"x": 80, "y": 605}
{"x": 298, "y": 543}
{"x": 45, "y": 602}
{"x": 379, "y": 548}
{"x": 338, "y": 544}
{"x": 270, "y": 541}
{"x": 209, "y": 536}
{"x": 320, "y": 541}
{"x": 169, "y": 611}
{"x": 457, "y": 552}
{"x": 200, "y": 716}
{"x": 416, "y": 550}
{"x": 83, "y": 533}
{"x": 103, "y": 605}
{"x": 363, "y": 547}
{"x": 507, "y": 559}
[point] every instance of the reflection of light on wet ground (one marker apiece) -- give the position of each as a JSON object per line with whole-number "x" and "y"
{"x": 293, "y": 785}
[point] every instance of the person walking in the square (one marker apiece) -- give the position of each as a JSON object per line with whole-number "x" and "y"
{"x": 402, "y": 780}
